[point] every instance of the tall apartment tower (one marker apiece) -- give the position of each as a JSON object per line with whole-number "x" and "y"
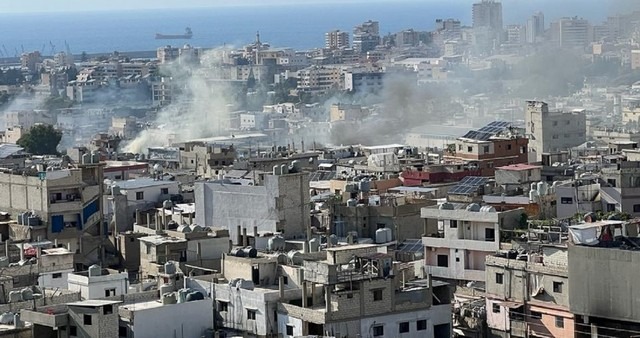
{"x": 574, "y": 32}
{"x": 336, "y": 39}
{"x": 535, "y": 27}
{"x": 366, "y": 36}
{"x": 488, "y": 13}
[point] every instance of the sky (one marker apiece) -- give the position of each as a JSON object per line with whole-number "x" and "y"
{"x": 12, "y": 6}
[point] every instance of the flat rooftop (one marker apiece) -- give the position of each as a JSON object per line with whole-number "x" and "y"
{"x": 141, "y": 183}
{"x": 94, "y": 302}
{"x": 158, "y": 239}
{"x": 519, "y": 167}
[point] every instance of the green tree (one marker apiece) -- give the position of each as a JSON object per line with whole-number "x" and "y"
{"x": 41, "y": 140}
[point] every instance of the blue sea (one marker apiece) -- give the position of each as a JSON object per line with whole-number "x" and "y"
{"x": 296, "y": 26}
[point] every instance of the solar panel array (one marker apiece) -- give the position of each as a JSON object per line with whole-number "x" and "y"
{"x": 478, "y": 135}
{"x": 411, "y": 245}
{"x": 322, "y": 176}
{"x": 468, "y": 185}
{"x": 495, "y": 127}
{"x": 486, "y": 132}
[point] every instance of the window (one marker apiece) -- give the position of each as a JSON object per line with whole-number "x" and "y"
{"x": 557, "y": 287}
{"x": 122, "y": 331}
{"x": 443, "y": 261}
{"x": 285, "y": 280}
{"x": 536, "y": 315}
{"x": 403, "y": 327}
{"x": 421, "y": 325}
{"x": 86, "y": 320}
{"x": 457, "y": 259}
{"x": 559, "y": 322}
{"x": 469, "y": 149}
{"x": 508, "y": 146}
{"x": 73, "y": 331}
{"x": 107, "y": 309}
{"x": 139, "y": 195}
{"x": 486, "y": 149}
{"x": 377, "y": 295}
{"x": 495, "y": 308}
{"x": 555, "y": 123}
{"x": 378, "y": 331}
{"x": 56, "y": 275}
{"x": 566, "y": 200}
{"x": 289, "y": 330}
{"x": 251, "y": 314}
{"x": 499, "y": 278}
{"x": 460, "y": 147}
{"x": 453, "y": 224}
{"x": 489, "y": 234}
{"x": 109, "y": 292}
{"x": 636, "y": 208}
{"x": 223, "y": 306}
{"x": 164, "y": 191}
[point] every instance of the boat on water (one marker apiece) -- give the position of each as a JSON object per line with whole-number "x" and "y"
{"x": 187, "y": 35}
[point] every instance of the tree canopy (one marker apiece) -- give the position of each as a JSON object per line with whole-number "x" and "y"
{"x": 41, "y": 140}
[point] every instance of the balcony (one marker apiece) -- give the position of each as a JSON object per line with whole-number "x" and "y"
{"x": 65, "y": 205}
{"x": 451, "y": 273}
{"x": 465, "y": 244}
{"x": 53, "y": 317}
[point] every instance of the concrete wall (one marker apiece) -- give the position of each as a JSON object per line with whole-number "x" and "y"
{"x": 275, "y": 206}
{"x": 602, "y": 282}
{"x": 189, "y": 320}
{"x": 54, "y": 280}
{"x": 94, "y": 287}
{"x": 436, "y": 315}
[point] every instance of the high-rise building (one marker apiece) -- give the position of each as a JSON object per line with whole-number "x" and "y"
{"x": 449, "y": 28}
{"x": 488, "y": 13}
{"x": 573, "y": 32}
{"x": 535, "y": 27}
{"x": 366, "y": 36}
{"x": 516, "y": 34}
{"x": 336, "y": 39}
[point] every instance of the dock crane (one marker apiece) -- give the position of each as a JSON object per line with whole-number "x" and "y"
{"x": 53, "y": 48}
{"x": 22, "y": 48}
{"x": 6, "y": 52}
{"x": 44, "y": 46}
{"x": 66, "y": 46}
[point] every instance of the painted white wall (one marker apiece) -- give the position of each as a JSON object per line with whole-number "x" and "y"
{"x": 434, "y": 316}
{"x": 284, "y": 320}
{"x": 94, "y": 287}
{"x": 188, "y": 320}
{"x": 53, "y": 280}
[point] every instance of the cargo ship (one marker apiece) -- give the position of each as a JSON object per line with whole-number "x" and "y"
{"x": 187, "y": 35}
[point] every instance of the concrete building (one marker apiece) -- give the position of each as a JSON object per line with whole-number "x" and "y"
{"x": 601, "y": 297}
{"x": 142, "y": 193}
{"x": 495, "y": 145}
{"x": 60, "y": 261}
{"x": 30, "y": 60}
{"x": 336, "y": 39}
{"x": 319, "y": 79}
{"x": 622, "y": 190}
{"x": 577, "y": 197}
{"x": 516, "y": 34}
{"x": 63, "y": 204}
{"x": 635, "y": 59}
{"x": 358, "y": 81}
{"x": 459, "y": 237}
{"x": 371, "y": 296}
{"x": 535, "y": 27}
{"x": 529, "y": 296}
{"x": 346, "y": 112}
{"x": 188, "y": 319}
{"x": 206, "y": 158}
{"x": 82, "y": 319}
{"x": 551, "y": 132}
{"x": 574, "y": 32}
{"x": 366, "y": 36}
{"x": 281, "y": 204}
{"x": 487, "y": 13}
{"x": 97, "y": 283}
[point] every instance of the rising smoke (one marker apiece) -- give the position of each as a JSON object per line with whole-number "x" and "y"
{"x": 201, "y": 109}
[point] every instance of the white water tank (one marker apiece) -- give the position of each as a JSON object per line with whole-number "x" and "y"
{"x": 534, "y": 186}
{"x": 95, "y": 270}
{"x": 542, "y": 188}
{"x": 389, "y": 234}
{"x": 381, "y": 236}
{"x": 533, "y": 195}
{"x": 295, "y": 257}
{"x": 314, "y": 245}
{"x": 169, "y": 268}
{"x": 277, "y": 170}
{"x": 333, "y": 239}
{"x": 276, "y": 243}
{"x": 169, "y": 298}
{"x": 165, "y": 288}
{"x": 475, "y": 207}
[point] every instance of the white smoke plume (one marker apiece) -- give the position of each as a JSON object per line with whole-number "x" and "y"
{"x": 201, "y": 109}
